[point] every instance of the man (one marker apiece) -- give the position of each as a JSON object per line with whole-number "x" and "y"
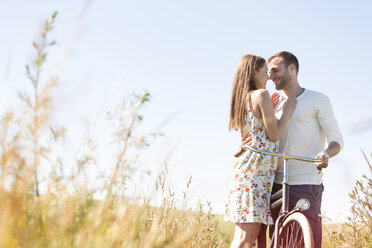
{"x": 312, "y": 124}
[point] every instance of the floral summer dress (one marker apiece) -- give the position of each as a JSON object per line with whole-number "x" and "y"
{"x": 252, "y": 178}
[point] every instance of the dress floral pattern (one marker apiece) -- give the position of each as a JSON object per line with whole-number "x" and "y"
{"x": 252, "y": 178}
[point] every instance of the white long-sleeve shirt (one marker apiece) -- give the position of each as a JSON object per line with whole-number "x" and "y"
{"x": 311, "y": 125}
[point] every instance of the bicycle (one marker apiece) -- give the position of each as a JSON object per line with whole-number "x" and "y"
{"x": 292, "y": 229}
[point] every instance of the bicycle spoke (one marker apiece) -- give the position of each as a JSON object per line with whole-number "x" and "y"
{"x": 299, "y": 236}
{"x": 292, "y": 236}
{"x": 298, "y": 233}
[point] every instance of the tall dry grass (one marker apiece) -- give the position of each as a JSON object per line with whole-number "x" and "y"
{"x": 357, "y": 230}
{"x": 44, "y": 206}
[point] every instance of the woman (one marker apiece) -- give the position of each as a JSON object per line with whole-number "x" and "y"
{"x": 252, "y": 112}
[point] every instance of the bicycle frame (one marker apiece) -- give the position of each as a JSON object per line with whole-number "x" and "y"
{"x": 285, "y": 196}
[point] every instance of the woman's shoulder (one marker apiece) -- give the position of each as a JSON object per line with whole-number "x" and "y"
{"x": 260, "y": 94}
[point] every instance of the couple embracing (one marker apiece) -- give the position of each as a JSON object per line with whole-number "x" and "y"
{"x": 300, "y": 122}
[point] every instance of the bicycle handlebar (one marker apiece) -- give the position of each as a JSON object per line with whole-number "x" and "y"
{"x": 282, "y": 155}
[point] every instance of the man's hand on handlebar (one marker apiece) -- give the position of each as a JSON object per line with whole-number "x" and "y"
{"x": 323, "y": 163}
{"x": 332, "y": 150}
{"x": 246, "y": 139}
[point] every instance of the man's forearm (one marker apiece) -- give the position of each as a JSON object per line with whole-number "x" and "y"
{"x": 333, "y": 149}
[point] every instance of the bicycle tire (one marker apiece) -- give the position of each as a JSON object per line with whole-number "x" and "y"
{"x": 295, "y": 232}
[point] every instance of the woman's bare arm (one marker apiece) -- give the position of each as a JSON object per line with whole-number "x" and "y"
{"x": 274, "y": 129}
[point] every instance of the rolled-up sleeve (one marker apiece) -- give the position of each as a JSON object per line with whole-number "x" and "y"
{"x": 328, "y": 121}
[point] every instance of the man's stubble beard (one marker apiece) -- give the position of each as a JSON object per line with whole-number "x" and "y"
{"x": 284, "y": 80}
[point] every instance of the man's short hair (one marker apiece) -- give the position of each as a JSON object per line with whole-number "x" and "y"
{"x": 288, "y": 59}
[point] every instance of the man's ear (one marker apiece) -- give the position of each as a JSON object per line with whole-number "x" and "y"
{"x": 292, "y": 68}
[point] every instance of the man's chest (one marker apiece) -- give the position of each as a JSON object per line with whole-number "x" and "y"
{"x": 304, "y": 112}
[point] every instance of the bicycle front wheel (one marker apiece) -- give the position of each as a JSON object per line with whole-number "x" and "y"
{"x": 295, "y": 232}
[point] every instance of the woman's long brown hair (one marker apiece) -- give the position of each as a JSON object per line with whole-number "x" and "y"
{"x": 244, "y": 81}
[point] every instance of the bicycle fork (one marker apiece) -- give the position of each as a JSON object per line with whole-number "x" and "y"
{"x": 285, "y": 203}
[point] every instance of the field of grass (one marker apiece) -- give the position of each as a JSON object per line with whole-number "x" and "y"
{"x": 68, "y": 214}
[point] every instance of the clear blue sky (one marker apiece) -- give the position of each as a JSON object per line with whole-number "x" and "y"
{"x": 185, "y": 53}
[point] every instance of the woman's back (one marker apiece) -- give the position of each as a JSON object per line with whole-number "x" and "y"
{"x": 256, "y": 129}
